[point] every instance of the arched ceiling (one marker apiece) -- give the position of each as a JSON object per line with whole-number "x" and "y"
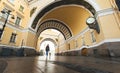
{"x": 49, "y": 39}
{"x": 54, "y": 24}
{"x": 61, "y": 3}
{"x": 73, "y": 16}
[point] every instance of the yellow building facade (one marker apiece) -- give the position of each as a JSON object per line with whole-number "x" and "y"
{"x": 70, "y": 18}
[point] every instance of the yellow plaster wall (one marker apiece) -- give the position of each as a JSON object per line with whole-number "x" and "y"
{"x": 63, "y": 47}
{"x": 25, "y": 18}
{"x": 87, "y": 38}
{"x": 79, "y": 40}
{"x": 25, "y": 15}
{"x": 87, "y": 41}
{"x": 72, "y": 44}
{"x": 110, "y": 26}
{"x": 24, "y": 38}
{"x": 31, "y": 40}
{"x": 7, "y": 35}
{"x": 104, "y": 4}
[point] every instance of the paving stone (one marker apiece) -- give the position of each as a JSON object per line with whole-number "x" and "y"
{"x": 79, "y": 68}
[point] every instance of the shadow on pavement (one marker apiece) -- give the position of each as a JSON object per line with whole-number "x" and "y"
{"x": 79, "y": 68}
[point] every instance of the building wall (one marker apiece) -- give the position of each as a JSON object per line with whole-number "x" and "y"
{"x": 10, "y": 25}
{"x": 31, "y": 40}
{"x": 107, "y": 15}
{"x": 109, "y": 37}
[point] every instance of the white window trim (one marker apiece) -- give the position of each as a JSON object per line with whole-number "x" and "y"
{"x": 15, "y": 38}
{"x": 23, "y": 9}
{"x": 20, "y": 20}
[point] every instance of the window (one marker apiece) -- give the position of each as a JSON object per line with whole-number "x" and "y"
{"x": 18, "y": 20}
{"x": 11, "y": 1}
{"x": 21, "y": 8}
{"x": 93, "y": 37}
{"x": 118, "y": 4}
{"x": 13, "y": 37}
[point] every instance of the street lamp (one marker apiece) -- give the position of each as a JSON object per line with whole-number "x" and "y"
{"x": 93, "y": 24}
{"x": 7, "y": 12}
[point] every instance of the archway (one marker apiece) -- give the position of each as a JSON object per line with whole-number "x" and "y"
{"x": 67, "y": 22}
{"x": 51, "y": 45}
{"x": 62, "y": 3}
{"x": 84, "y": 52}
{"x": 69, "y": 17}
{"x": 50, "y": 35}
{"x": 55, "y": 24}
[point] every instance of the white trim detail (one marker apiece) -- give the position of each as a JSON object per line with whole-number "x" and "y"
{"x": 77, "y": 36}
{"x": 42, "y": 6}
{"x": 104, "y": 12}
{"x": 100, "y": 43}
{"x": 8, "y": 46}
{"x": 29, "y": 30}
{"x": 80, "y": 34}
{"x": 94, "y": 4}
{"x": 16, "y": 46}
{"x": 38, "y": 10}
{"x": 20, "y": 29}
{"x": 13, "y": 27}
{"x": 28, "y": 47}
{"x": 104, "y": 41}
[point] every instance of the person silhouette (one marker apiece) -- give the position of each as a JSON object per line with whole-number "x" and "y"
{"x": 47, "y": 50}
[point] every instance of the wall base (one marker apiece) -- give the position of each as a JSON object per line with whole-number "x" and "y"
{"x": 108, "y": 49}
{"x": 6, "y": 51}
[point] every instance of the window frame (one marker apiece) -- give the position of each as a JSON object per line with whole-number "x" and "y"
{"x": 16, "y": 21}
{"x": 21, "y": 8}
{"x": 13, "y": 38}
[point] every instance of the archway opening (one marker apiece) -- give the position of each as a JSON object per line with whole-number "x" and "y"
{"x": 51, "y": 46}
{"x": 84, "y": 52}
{"x": 51, "y": 37}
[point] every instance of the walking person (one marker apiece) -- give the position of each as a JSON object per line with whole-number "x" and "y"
{"x": 47, "y": 50}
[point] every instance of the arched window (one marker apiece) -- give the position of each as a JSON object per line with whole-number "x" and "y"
{"x": 118, "y": 4}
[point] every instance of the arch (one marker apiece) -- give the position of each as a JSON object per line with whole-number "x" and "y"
{"x": 60, "y": 3}
{"x": 55, "y": 24}
{"x": 48, "y": 39}
{"x": 84, "y": 52}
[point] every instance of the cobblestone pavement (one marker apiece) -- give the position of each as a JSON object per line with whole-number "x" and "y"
{"x": 59, "y": 64}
